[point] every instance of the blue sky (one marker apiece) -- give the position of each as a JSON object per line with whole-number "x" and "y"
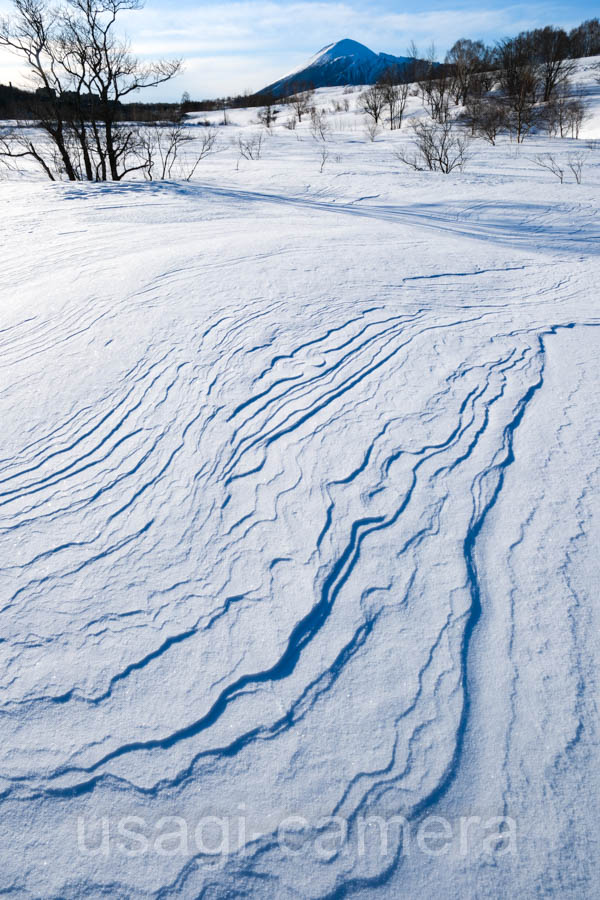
{"x": 232, "y": 46}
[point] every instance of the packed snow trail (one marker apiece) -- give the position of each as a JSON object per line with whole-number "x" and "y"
{"x": 297, "y": 513}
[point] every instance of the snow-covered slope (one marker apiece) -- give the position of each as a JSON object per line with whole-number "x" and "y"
{"x": 345, "y": 62}
{"x": 299, "y": 517}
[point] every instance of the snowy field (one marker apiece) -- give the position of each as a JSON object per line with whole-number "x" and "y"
{"x": 299, "y": 524}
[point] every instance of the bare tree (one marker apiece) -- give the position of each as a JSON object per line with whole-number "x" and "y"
{"x": 373, "y": 102}
{"x": 436, "y": 93}
{"x": 547, "y": 161}
{"x": 519, "y": 81}
{"x": 203, "y": 147}
{"x": 268, "y": 116}
{"x": 173, "y": 151}
{"x": 324, "y": 155}
{"x": 551, "y": 50}
{"x": 486, "y": 118}
{"x": 84, "y": 72}
{"x": 564, "y": 114}
{"x": 576, "y": 115}
{"x": 301, "y": 103}
{"x": 395, "y": 94}
{"x": 319, "y": 126}
{"x": 371, "y": 129}
{"x": 439, "y": 147}
{"x": 576, "y": 162}
{"x": 435, "y": 86}
{"x": 467, "y": 58}
{"x": 250, "y": 147}
{"x": 162, "y": 147}
{"x": 415, "y": 69}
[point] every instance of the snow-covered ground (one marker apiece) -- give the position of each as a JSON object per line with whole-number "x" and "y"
{"x": 299, "y": 521}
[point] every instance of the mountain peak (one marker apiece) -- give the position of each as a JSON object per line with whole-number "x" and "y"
{"x": 345, "y": 47}
{"x": 340, "y": 63}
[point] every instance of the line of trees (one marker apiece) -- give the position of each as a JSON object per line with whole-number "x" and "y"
{"x": 520, "y": 84}
{"x": 530, "y": 75}
{"x": 236, "y": 101}
{"x": 17, "y": 103}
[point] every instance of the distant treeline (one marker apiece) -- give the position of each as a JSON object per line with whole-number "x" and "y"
{"x": 16, "y": 103}
{"x": 19, "y": 104}
{"x": 234, "y": 102}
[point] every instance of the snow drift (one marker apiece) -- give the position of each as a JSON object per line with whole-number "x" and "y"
{"x": 298, "y": 528}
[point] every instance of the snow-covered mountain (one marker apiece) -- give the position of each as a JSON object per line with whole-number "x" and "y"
{"x": 345, "y": 62}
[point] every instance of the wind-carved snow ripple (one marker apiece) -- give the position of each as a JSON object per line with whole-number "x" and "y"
{"x": 243, "y": 574}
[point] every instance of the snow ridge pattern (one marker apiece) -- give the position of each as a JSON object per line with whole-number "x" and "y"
{"x": 298, "y": 524}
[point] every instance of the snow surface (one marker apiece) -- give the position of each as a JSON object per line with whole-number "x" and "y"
{"x": 299, "y": 516}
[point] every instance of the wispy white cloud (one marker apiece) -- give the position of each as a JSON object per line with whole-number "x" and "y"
{"x": 257, "y": 25}
{"x": 253, "y": 42}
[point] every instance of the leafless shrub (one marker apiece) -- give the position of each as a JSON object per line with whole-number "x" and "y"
{"x": 268, "y": 116}
{"x": 520, "y": 85}
{"x": 250, "y": 147}
{"x": 439, "y": 147}
{"x": 576, "y": 162}
{"x": 164, "y": 151}
{"x": 395, "y": 96}
{"x": 551, "y": 49}
{"x": 371, "y": 129}
{"x": 372, "y": 102}
{"x": 291, "y": 123}
{"x": 436, "y": 94}
{"x": 319, "y": 126}
{"x": 565, "y": 114}
{"x": 576, "y": 115}
{"x": 207, "y": 145}
{"x": 485, "y": 117}
{"x": 301, "y": 102}
{"x": 324, "y": 155}
{"x": 549, "y": 162}
{"x": 466, "y": 60}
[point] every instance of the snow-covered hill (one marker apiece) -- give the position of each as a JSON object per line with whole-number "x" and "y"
{"x": 345, "y": 62}
{"x": 299, "y": 518}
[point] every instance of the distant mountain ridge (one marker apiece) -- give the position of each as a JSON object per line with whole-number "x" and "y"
{"x": 345, "y": 62}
